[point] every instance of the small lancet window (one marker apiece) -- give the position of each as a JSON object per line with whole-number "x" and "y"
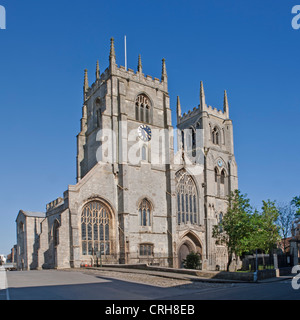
{"x": 222, "y": 177}
{"x": 144, "y": 153}
{"x": 221, "y": 222}
{"x": 145, "y": 213}
{"x": 216, "y": 175}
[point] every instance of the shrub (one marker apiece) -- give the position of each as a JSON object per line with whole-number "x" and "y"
{"x": 192, "y": 261}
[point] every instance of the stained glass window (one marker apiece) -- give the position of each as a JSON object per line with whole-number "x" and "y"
{"x": 95, "y": 229}
{"x": 187, "y": 208}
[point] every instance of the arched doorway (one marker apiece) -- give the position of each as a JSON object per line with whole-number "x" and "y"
{"x": 189, "y": 242}
{"x": 183, "y": 252}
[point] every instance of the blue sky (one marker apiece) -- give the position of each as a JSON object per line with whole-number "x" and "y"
{"x": 248, "y": 48}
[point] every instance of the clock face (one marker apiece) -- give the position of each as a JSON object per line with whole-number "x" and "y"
{"x": 220, "y": 163}
{"x": 145, "y": 133}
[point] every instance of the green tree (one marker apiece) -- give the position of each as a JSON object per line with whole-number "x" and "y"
{"x": 296, "y": 203}
{"x": 264, "y": 231}
{"x": 192, "y": 261}
{"x": 243, "y": 231}
{"x": 235, "y": 229}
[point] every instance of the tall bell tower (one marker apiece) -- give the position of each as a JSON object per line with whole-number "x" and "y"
{"x": 219, "y": 176}
{"x": 135, "y": 109}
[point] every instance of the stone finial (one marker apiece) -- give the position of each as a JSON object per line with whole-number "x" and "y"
{"x": 97, "y": 71}
{"x": 112, "y": 47}
{"x": 226, "y": 105}
{"x": 202, "y": 96}
{"x": 112, "y": 54}
{"x": 86, "y": 83}
{"x": 164, "y": 76}
{"x": 140, "y": 68}
{"x": 178, "y": 108}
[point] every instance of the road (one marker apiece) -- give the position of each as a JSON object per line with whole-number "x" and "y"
{"x": 84, "y": 285}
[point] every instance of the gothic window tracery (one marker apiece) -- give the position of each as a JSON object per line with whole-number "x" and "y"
{"x": 143, "y": 108}
{"x": 145, "y": 213}
{"x": 187, "y": 208}
{"x": 95, "y": 229}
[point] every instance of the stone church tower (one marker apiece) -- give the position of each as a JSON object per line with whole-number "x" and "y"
{"x": 219, "y": 176}
{"x": 137, "y": 200}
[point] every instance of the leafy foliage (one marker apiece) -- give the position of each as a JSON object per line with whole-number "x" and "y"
{"x": 243, "y": 230}
{"x": 296, "y": 203}
{"x": 192, "y": 261}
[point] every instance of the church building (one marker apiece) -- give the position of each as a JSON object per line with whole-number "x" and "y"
{"x": 146, "y": 192}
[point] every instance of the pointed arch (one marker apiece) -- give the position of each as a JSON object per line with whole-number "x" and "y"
{"x": 187, "y": 198}
{"x": 222, "y": 179}
{"x": 145, "y": 213}
{"x": 216, "y": 171}
{"x": 96, "y": 228}
{"x": 189, "y": 242}
{"x": 143, "y": 108}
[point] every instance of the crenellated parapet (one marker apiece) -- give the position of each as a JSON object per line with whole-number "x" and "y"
{"x": 127, "y": 74}
{"x": 203, "y": 107}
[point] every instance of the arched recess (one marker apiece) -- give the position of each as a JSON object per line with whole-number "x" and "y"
{"x": 189, "y": 243}
{"x": 216, "y": 137}
{"x": 56, "y": 226}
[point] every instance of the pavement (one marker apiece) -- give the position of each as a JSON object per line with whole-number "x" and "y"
{"x": 184, "y": 276}
{"x": 3, "y": 284}
{"x": 112, "y": 283}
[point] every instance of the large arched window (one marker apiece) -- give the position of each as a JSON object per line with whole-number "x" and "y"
{"x": 187, "y": 207}
{"x": 96, "y": 229}
{"x": 145, "y": 213}
{"x": 143, "y": 108}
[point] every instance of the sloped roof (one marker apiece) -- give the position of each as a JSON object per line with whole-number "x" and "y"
{"x": 34, "y": 214}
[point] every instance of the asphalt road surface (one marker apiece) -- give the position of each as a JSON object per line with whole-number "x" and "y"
{"x": 83, "y": 285}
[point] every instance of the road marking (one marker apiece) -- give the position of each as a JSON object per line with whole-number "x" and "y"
{"x": 3, "y": 281}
